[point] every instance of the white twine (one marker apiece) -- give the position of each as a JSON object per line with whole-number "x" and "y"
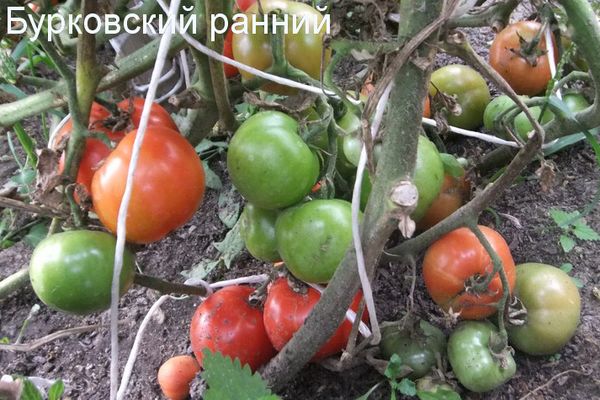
{"x": 161, "y": 57}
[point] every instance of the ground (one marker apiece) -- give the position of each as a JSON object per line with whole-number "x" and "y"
{"x": 83, "y": 360}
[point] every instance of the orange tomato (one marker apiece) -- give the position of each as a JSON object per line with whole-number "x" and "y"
{"x": 175, "y": 376}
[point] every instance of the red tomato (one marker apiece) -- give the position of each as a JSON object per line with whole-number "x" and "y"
{"x": 455, "y": 258}
{"x": 243, "y": 5}
{"x": 286, "y": 310}
{"x": 525, "y": 76}
{"x": 230, "y": 70}
{"x": 158, "y": 115}
{"x": 168, "y": 185}
{"x": 227, "y": 323}
{"x": 175, "y": 376}
{"x": 427, "y": 108}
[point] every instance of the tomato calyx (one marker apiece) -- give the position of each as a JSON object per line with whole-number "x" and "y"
{"x": 516, "y": 312}
{"x": 530, "y": 50}
{"x": 500, "y": 350}
{"x": 478, "y": 284}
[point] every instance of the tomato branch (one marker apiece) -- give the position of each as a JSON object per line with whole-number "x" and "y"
{"x": 166, "y": 287}
{"x": 13, "y": 282}
{"x": 496, "y": 15}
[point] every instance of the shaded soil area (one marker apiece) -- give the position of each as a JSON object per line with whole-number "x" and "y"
{"x": 82, "y": 361}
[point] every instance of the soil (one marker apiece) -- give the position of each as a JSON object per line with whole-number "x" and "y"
{"x": 82, "y": 361}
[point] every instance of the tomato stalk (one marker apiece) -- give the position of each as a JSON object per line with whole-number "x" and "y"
{"x": 219, "y": 81}
{"x": 499, "y": 345}
{"x": 166, "y": 287}
{"x": 496, "y": 15}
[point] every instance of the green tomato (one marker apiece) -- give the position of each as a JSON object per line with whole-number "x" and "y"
{"x": 313, "y": 238}
{"x": 72, "y": 271}
{"x": 470, "y": 89}
{"x": 574, "y": 102}
{"x": 428, "y": 177}
{"x": 418, "y": 346}
{"x": 496, "y": 107}
{"x": 258, "y": 232}
{"x": 268, "y": 162}
{"x": 472, "y": 362}
{"x": 553, "y": 309}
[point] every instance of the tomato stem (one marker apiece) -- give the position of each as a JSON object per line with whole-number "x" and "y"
{"x": 498, "y": 269}
{"x": 166, "y": 287}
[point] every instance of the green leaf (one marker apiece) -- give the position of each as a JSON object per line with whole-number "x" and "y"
{"x": 202, "y": 269}
{"x": 394, "y": 367}
{"x": 30, "y": 392}
{"x": 229, "y": 207}
{"x": 228, "y": 380}
{"x": 36, "y": 234}
{"x": 211, "y": 179}
{"x": 451, "y": 165}
{"x": 370, "y": 392}
{"x": 27, "y": 143}
{"x": 578, "y": 282}
{"x": 206, "y": 145}
{"x": 440, "y": 394}
{"x": 5, "y": 340}
{"x": 584, "y": 232}
{"x": 566, "y": 268}
{"x": 561, "y": 217}
{"x": 407, "y": 387}
{"x": 56, "y": 390}
{"x": 232, "y": 245}
{"x": 567, "y": 243}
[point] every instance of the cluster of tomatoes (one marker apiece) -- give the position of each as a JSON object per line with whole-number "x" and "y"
{"x": 526, "y": 70}
{"x": 72, "y": 271}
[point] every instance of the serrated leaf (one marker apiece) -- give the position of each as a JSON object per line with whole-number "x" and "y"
{"x": 232, "y": 245}
{"x": 440, "y": 394}
{"x": 451, "y": 165}
{"x": 228, "y": 380}
{"x": 407, "y": 387}
{"x": 56, "y": 391}
{"x": 585, "y": 232}
{"x": 30, "y": 392}
{"x": 567, "y": 243}
{"x": 578, "y": 282}
{"x": 393, "y": 369}
{"x": 561, "y": 217}
{"x": 566, "y": 268}
{"x": 36, "y": 234}
{"x": 211, "y": 179}
{"x": 229, "y": 207}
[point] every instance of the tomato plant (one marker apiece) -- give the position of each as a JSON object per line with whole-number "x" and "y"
{"x": 553, "y": 309}
{"x": 72, "y": 271}
{"x": 474, "y": 365}
{"x": 452, "y": 195}
{"x": 268, "y": 162}
{"x": 258, "y": 232}
{"x": 527, "y": 72}
{"x": 470, "y": 89}
{"x": 457, "y": 259}
{"x": 168, "y": 185}
{"x": 175, "y": 375}
{"x": 419, "y": 346}
{"x": 286, "y": 310}
{"x": 159, "y": 117}
{"x": 226, "y": 322}
{"x": 495, "y": 108}
{"x": 302, "y": 50}
{"x": 313, "y": 238}
{"x": 428, "y": 177}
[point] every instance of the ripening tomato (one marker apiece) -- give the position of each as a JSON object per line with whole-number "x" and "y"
{"x": 427, "y": 108}
{"x": 286, "y": 310}
{"x": 159, "y": 117}
{"x": 175, "y": 376}
{"x": 553, "y": 307}
{"x": 526, "y": 74}
{"x": 452, "y": 195}
{"x": 168, "y": 185}
{"x": 243, "y": 5}
{"x": 458, "y": 257}
{"x": 36, "y": 7}
{"x": 226, "y": 322}
{"x": 303, "y": 48}
{"x": 230, "y": 70}
{"x": 470, "y": 89}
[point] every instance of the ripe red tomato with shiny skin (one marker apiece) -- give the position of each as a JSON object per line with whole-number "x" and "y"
{"x": 226, "y": 322}
{"x": 285, "y": 312}
{"x": 455, "y": 258}
{"x": 168, "y": 185}
{"x": 525, "y": 76}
